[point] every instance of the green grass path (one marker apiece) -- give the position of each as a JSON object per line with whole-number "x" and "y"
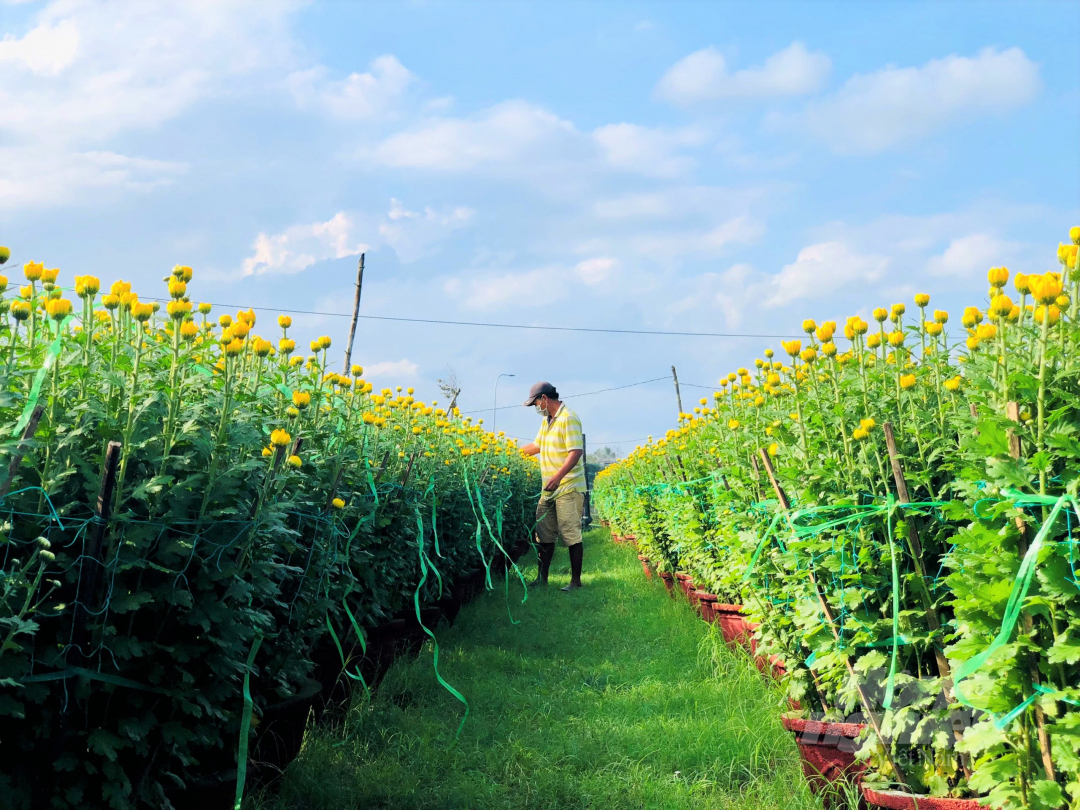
{"x": 615, "y": 696}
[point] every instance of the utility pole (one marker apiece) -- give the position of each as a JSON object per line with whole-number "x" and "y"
{"x": 678, "y": 394}
{"x": 586, "y": 515}
{"x": 355, "y": 315}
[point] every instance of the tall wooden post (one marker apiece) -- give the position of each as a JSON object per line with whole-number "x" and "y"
{"x": 355, "y": 315}
{"x": 826, "y": 611}
{"x": 20, "y": 451}
{"x": 586, "y": 516}
{"x": 1012, "y": 410}
{"x": 91, "y": 562}
{"x": 678, "y": 394}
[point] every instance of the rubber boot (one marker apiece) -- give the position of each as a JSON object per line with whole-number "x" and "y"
{"x": 544, "y": 553}
{"x": 576, "y": 554}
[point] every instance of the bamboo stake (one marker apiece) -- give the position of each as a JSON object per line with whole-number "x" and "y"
{"x": 871, "y": 715}
{"x": 915, "y": 546}
{"x": 355, "y": 315}
{"x": 1012, "y": 411}
{"x": 20, "y": 451}
{"x": 89, "y": 572}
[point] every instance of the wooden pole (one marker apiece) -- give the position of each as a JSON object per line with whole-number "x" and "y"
{"x": 355, "y": 315}
{"x": 871, "y": 715}
{"x": 1012, "y": 410}
{"x": 89, "y": 572}
{"x": 678, "y": 393}
{"x": 20, "y": 451}
{"x": 586, "y": 517}
{"x": 915, "y": 546}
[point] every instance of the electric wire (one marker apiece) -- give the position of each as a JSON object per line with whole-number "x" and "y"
{"x": 571, "y": 396}
{"x": 493, "y": 325}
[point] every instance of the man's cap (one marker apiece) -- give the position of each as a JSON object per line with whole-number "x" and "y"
{"x": 540, "y": 389}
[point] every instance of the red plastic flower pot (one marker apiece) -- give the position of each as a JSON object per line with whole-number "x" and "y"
{"x": 687, "y": 583}
{"x": 895, "y": 800}
{"x": 733, "y": 625}
{"x": 669, "y": 583}
{"x": 827, "y": 750}
{"x": 645, "y": 565}
{"x": 705, "y": 602}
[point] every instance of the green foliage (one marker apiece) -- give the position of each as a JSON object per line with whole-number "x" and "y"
{"x": 578, "y": 706}
{"x": 121, "y": 669}
{"x": 848, "y": 576}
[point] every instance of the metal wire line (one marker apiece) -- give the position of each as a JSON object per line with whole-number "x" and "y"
{"x": 657, "y": 332}
{"x": 586, "y": 394}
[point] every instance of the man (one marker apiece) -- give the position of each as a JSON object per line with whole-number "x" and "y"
{"x": 560, "y": 446}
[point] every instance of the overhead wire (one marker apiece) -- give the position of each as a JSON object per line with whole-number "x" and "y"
{"x": 493, "y": 325}
{"x": 571, "y": 396}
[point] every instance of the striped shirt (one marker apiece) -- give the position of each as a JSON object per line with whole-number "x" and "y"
{"x": 557, "y": 437}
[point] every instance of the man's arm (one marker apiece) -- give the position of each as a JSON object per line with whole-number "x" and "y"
{"x": 571, "y": 459}
{"x": 531, "y": 449}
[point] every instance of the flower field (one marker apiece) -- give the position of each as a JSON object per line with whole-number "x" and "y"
{"x": 898, "y": 509}
{"x": 190, "y": 514}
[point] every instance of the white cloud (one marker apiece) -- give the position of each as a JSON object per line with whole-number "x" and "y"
{"x": 45, "y": 50}
{"x": 538, "y": 287}
{"x": 529, "y": 288}
{"x": 84, "y": 72}
{"x": 88, "y": 70}
{"x": 404, "y": 368}
{"x": 681, "y": 202}
{"x": 968, "y": 256}
{"x": 518, "y": 139}
{"x": 300, "y": 246}
{"x": 703, "y": 76}
{"x": 597, "y": 270}
{"x": 830, "y": 271}
{"x": 374, "y": 94}
{"x": 822, "y": 269}
{"x": 38, "y": 175}
{"x": 513, "y": 132}
{"x": 715, "y": 241}
{"x": 897, "y": 105}
{"x": 652, "y": 152}
{"x": 412, "y": 233}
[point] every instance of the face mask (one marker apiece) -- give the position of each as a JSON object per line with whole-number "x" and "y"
{"x": 540, "y": 409}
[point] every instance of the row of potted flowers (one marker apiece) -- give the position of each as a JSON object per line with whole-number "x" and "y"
{"x": 826, "y": 749}
{"x": 900, "y": 515}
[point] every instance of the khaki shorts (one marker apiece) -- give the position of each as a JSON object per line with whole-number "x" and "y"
{"x": 560, "y": 517}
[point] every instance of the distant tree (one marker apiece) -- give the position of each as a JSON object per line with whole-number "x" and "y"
{"x": 603, "y": 457}
{"x": 450, "y": 387}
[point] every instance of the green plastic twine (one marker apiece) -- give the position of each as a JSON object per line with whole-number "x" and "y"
{"x": 1021, "y": 585}
{"x": 434, "y": 641}
{"x": 51, "y": 354}
{"x": 761, "y": 546}
{"x": 245, "y": 726}
{"x": 498, "y": 542}
{"x": 890, "y": 684}
{"x": 855, "y": 513}
{"x": 479, "y": 530}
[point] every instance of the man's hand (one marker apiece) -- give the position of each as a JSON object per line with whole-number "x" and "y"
{"x": 571, "y": 459}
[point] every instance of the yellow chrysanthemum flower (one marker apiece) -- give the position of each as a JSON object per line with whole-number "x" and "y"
{"x": 998, "y": 277}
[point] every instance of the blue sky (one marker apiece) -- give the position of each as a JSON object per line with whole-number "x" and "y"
{"x": 720, "y": 167}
